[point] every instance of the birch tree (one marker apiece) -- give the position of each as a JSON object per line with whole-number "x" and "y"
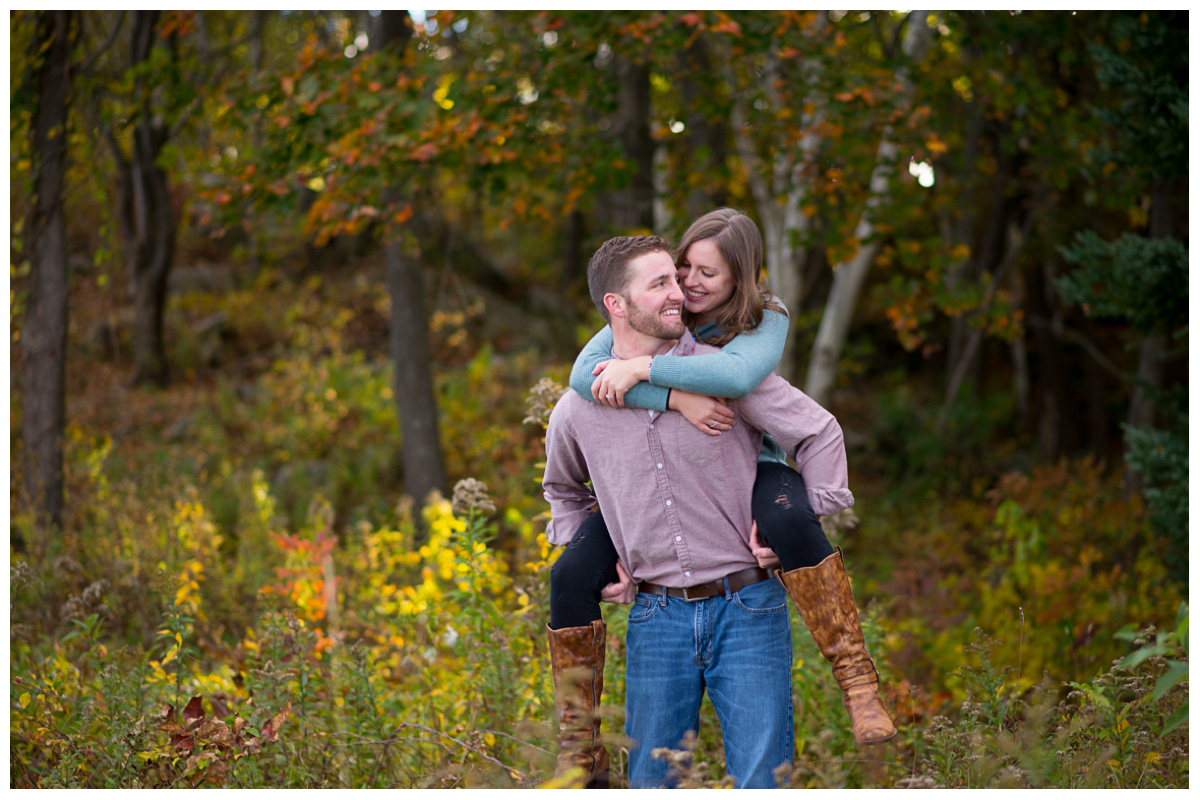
{"x": 850, "y": 275}
{"x": 780, "y": 162}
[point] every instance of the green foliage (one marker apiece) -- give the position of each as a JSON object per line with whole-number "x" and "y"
{"x": 452, "y": 113}
{"x": 913, "y": 455}
{"x": 1145, "y": 67}
{"x": 1002, "y": 562}
{"x": 1145, "y": 281}
{"x": 1105, "y": 734}
{"x": 1133, "y": 278}
{"x": 1165, "y": 644}
{"x": 445, "y": 668}
{"x": 1161, "y": 458}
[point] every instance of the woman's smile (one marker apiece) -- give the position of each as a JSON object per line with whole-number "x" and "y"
{"x": 707, "y": 280}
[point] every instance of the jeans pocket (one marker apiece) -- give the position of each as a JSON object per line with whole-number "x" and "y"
{"x": 644, "y": 607}
{"x": 764, "y": 597}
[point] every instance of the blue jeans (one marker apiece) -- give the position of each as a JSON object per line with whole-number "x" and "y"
{"x": 737, "y": 647}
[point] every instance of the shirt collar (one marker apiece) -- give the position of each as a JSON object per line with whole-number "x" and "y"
{"x": 684, "y": 346}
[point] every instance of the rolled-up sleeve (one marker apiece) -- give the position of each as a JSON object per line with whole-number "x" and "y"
{"x": 564, "y": 482}
{"x": 809, "y": 434}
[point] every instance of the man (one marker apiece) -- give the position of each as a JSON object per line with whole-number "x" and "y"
{"x": 706, "y": 616}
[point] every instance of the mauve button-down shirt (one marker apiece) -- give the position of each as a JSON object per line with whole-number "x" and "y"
{"x": 676, "y": 500}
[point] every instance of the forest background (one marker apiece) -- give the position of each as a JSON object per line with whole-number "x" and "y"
{"x": 291, "y": 295}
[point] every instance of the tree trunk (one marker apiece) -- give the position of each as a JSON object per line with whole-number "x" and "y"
{"x": 631, "y": 208}
{"x": 424, "y": 468}
{"x": 151, "y": 220}
{"x": 1096, "y": 398}
{"x": 704, "y": 145}
{"x": 1150, "y": 354}
{"x": 1020, "y": 359}
{"x": 959, "y": 224}
{"x": 970, "y": 357}
{"x": 44, "y": 332}
{"x": 574, "y": 265}
{"x": 850, "y": 276}
{"x": 154, "y": 248}
{"x": 1142, "y": 411}
{"x": 781, "y": 197}
{"x": 848, "y": 281}
{"x": 985, "y": 257}
{"x": 1043, "y": 306}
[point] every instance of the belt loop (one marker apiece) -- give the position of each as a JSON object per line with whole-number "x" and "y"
{"x": 728, "y": 594}
{"x": 662, "y": 597}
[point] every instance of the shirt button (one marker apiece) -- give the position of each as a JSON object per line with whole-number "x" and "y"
{"x": 687, "y": 574}
{"x": 668, "y": 502}
{"x": 652, "y": 426}
{"x": 679, "y": 538}
{"x": 659, "y": 466}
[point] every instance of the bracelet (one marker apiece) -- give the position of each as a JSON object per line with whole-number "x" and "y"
{"x": 649, "y": 366}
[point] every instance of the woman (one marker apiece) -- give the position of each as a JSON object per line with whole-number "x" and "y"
{"x": 719, "y": 263}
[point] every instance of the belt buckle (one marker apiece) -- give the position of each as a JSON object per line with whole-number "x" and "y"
{"x": 689, "y": 598}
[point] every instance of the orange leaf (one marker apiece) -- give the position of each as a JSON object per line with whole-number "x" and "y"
{"x": 425, "y": 152}
{"x": 172, "y": 727}
{"x": 727, "y": 26}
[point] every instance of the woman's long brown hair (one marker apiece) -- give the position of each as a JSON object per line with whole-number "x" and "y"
{"x": 738, "y": 241}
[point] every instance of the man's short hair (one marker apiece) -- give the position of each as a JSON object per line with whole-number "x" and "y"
{"x": 607, "y": 271}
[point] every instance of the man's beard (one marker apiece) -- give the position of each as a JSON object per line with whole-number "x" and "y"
{"x": 652, "y": 324}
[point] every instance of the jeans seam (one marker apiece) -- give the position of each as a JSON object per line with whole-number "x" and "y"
{"x": 707, "y": 618}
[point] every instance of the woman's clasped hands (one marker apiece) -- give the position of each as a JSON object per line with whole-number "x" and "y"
{"x": 616, "y": 376}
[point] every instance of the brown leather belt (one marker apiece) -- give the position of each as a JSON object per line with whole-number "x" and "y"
{"x": 737, "y": 581}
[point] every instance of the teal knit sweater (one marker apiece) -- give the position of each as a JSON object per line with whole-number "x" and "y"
{"x": 732, "y": 373}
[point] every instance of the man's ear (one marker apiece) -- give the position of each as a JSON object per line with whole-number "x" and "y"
{"x": 615, "y": 304}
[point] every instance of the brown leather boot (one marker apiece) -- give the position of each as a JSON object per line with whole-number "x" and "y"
{"x": 826, "y": 604}
{"x": 577, "y": 661}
